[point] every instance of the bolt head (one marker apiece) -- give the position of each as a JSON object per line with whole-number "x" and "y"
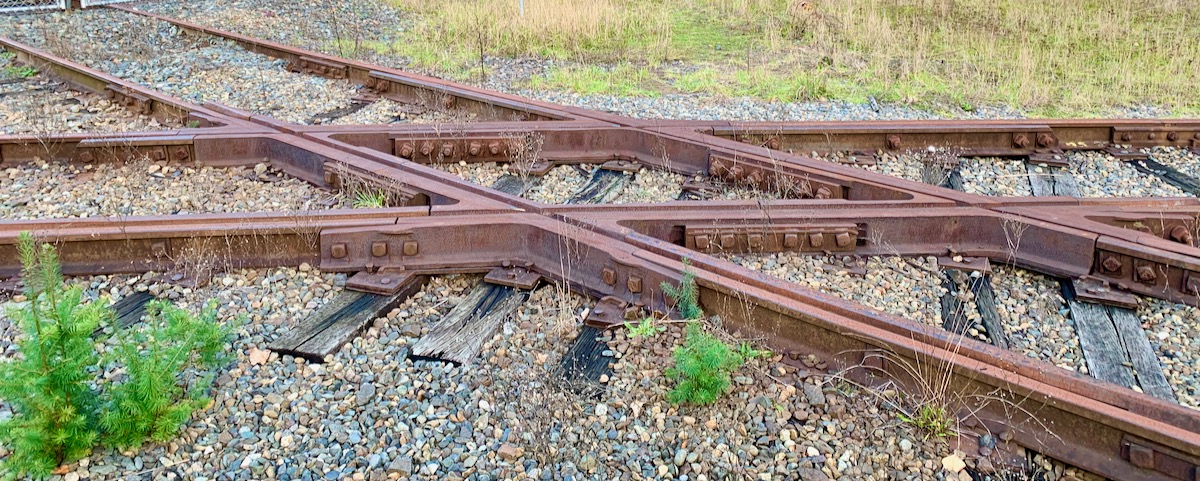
{"x": 411, "y": 248}
{"x": 1111, "y": 264}
{"x": 816, "y": 240}
{"x": 379, "y": 249}
{"x": 338, "y": 251}
{"x": 843, "y": 239}
{"x": 824, "y": 192}
{"x": 1146, "y": 274}
{"x": 893, "y": 142}
{"x": 634, "y": 284}
{"x": 608, "y": 276}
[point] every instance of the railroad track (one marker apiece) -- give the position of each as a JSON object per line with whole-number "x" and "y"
{"x": 726, "y": 197}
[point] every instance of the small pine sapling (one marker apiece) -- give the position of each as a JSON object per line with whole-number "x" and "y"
{"x": 168, "y": 363}
{"x": 46, "y": 385}
{"x": 702, "y": 368}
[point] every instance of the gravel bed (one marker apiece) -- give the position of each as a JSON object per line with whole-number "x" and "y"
{"x": 370, "y": 413}
{"x": 1174, "y": 331}
{"x": 1033, "y": 313}
{"x": 651, "y": 186}
{"x": 41, "y": 105}
{"x": 908, "y": 288}
{"x": 1101, "y": 175}
{"x": 385, "y": 111}
{"x": 314, "y": 25}
{"x": 199, "y": 69}
{"x": 1183, "y": 160}
{"x": 560, "y": 184}
{"x": 60, "y": 189}
{"x": 996, "y": 177}
{"x": 1036, "y": 318}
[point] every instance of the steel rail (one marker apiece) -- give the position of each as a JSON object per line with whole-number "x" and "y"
{"x": 622, "y": 253}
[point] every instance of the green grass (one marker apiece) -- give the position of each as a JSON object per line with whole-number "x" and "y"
{"x": 936, "y": 54}
{"x": 370, "y": 199}
{"x": 623, "y": 79}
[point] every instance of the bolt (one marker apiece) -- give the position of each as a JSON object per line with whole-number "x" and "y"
{"x": 608, "y": 276}
{"x": 727, "y": 241}
{"x": 755, "y": 241}
{"x": 406, "y": 150}
{"x": 448, "y": 102}
{"x": 1146, "y": 274}
{"x": 338, "y": 251}
{"x": 158, "y": 154}
{"x": 736, "y": 172}
{"x": 411, "y": 248}
{"x": 1172, "y": 136}
{"x": 474, "y": 149}
{"x": 702, "y": 242}
{"x": 824, "y": 192}
{"x": 1045, "y": 140}
{"x": 180, "y": 153}
{"x": 790, "y": 240}
{"x": 427, "y": 148}
{"x": 158, "y": 249}
{"x": 893, "y": 142}
{"x": 385, "y": 281}
{"x": 1126, "y": 137}
{"x": 1111, "y": 264}
{"x": 447, "y": 149}
{"x": 716, "y": 166}
{"x": 1197, "y": 136}
{"x": 494, "y": 147}
{"x": 1021, "y": 141}
{"x": 754, "y": 177}
{"x": 1181, "y": 235}
{"x": 816, "y": 240}
{"x": 773, "y": 143}
{"x": 843, "y": 239}
{"x": 379, "y": 249}
{"x": 87, "y": 156}
{"x": 1153, "y": 136}
{"x": 1192, "y": 285}
{"x": 634, "y": 284}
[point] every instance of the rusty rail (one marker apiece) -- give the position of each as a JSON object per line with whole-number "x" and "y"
{"x": 621, "y": 253}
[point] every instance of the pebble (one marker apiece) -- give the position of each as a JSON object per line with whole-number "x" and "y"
{"x": 63, "y": 190}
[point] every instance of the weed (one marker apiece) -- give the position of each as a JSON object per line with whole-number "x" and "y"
{"x": 19, "y": 71}
{"x": 370, "y": 199}
{"x": 747, "y": 351}
{"x": 644, "y": 328}
{"x": 192, "y": 124}
{"x": 702, "y": 367}
{"x": 932, "y": 419}
{"x": 686, "y": 295}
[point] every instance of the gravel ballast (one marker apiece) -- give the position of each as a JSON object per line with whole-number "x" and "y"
{"x": 196, "y": 68}
{"x": 370, "y": 413}
{"x": 41, "y": 105}
{"x": 60, "y": 190}
{"x": 1174, "y": 332}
